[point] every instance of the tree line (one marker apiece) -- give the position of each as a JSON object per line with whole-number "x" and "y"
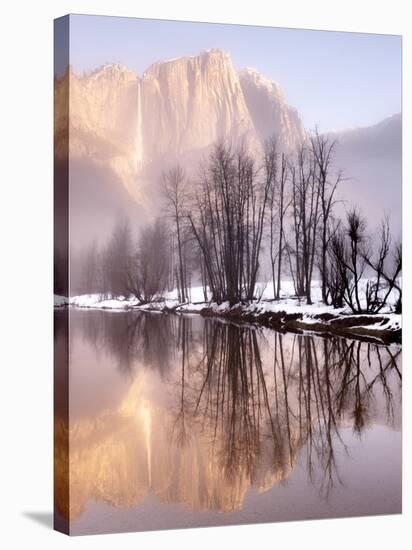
{"x": 241, "y": 212}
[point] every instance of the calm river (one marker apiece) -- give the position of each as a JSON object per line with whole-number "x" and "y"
{"x": 180, "y": 421}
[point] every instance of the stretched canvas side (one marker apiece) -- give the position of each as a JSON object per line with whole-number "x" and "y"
{"x": 61, "y": 278}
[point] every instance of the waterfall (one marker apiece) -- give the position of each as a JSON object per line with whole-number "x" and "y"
{"x": 139, "y": 133}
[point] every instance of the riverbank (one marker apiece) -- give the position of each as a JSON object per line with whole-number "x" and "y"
{"x": 286, "y": 315}
{"x": 383, "y": 328}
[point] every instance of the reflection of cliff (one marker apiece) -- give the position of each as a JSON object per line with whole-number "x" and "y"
{"x": 122, "y": 455}
{"x": 233, "y": 409}
{"x": 61, "y": 415}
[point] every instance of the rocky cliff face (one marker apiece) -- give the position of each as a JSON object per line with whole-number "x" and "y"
{"x": 269, "y": 111}
{"x": 104, "y": 112}
{"x": 189, "y": 103}
{"x": 125, "y": 129}
{"x": 176, "y": 110}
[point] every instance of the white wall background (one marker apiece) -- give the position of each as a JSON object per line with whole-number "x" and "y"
{"x": 26, "y": 270}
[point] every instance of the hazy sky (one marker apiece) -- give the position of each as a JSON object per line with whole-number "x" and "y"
{"x": 336, "y": 80}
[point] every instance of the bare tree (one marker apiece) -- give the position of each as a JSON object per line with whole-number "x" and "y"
{"x": 175, "y": 192}
{"x": 385, "y": 276}
{"x": 348, "y": 248}
{"x": 227, "y": 218}
{"x": 322, "y": 150}
{"x": 305, "y": 218}
{"x": 116, "y": 259}
{"x": 278, "y": 205}
{"x": 334, "y": 281}
{"x": 148, "y": 271}
{"x": 397, "y": 284}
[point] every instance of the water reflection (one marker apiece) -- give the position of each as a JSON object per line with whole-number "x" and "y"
{"x": 199, "y": 411}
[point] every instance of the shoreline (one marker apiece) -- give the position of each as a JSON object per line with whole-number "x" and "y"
{"x": 382, "y": 328}
{"x": 370, "y": 328}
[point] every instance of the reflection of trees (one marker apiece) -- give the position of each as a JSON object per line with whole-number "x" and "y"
{"x": 132, "y": 337}
{"x": 261, "y": 400}
{"x": 255, "y": 414}
{"x": 317, "y": 419}
{"x": 213, "y": 409}
{"x": 232, "y": 404}
{"x": 181, "y": 429}
{"x": 386, "y": 364}
{"x": 364, "y": 369}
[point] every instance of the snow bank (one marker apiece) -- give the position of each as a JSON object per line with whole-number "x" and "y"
{"x": 288, "y": 313}
{"x": 95, "y": 301}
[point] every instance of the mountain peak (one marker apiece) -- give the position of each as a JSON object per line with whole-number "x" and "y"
{"x": 204, "y": 58}
{"x": 270, "y": 113}
{"x": 258, "y": 79}
{"x": 112, "y": 70}
{"x": 176, "y": 110}
{"x": 215, "y": 52}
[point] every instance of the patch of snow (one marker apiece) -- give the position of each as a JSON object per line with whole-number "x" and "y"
{"x": 95, "y": 301}
{"x": 392, "y": 321}
{"x": 60, "y": 301}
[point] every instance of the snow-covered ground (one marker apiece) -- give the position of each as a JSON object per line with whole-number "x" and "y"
{"x": 288, "y": 302}
{"x": 316, "y": 316}
{"x": 169, "y": 300}
{"x": 60, "y": 301}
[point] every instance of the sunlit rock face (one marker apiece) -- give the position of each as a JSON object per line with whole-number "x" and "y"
{"x": 104, "y": 120}
{"x": 105, "y": 103}
{"x": 191, "y": 102}
{"x": 270, "y": 113}
{"x": 174, "y": 112}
